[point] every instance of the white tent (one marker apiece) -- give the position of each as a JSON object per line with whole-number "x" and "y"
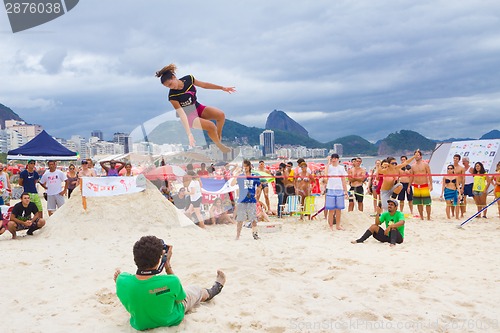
{"x": 484, "y": 151}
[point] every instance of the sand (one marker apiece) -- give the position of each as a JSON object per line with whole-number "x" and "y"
{"x": 304, "y": 278}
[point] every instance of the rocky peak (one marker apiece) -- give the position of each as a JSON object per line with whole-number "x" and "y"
{"x": 279, "y": 120}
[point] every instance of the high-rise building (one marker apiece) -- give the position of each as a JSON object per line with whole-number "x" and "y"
{"x": 338, "y": 149}
{"x": 267, "y": 143}
{"x": 97, "y": 134}
{"x": 124, "y": 140}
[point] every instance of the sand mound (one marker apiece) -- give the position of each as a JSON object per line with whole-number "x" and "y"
{"x": 141, "y": 211}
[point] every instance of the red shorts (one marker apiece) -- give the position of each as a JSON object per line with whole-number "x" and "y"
{"x": 193, "y": 115}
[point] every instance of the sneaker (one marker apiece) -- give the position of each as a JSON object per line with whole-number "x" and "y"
{"x": 248, "y": 225}
{"x": 255, "y": 236}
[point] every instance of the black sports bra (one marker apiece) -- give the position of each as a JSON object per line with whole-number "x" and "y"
{"x": 447, "y": 181}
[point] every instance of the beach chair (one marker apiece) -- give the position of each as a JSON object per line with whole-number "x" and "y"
{"x": 309, "y": 207}
{"x": 292, "y": 205}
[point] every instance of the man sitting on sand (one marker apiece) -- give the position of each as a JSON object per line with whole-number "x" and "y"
{"x": 394, "y": 222}
{"x": 154, "y": 299}
{"x": 21, "y": 217}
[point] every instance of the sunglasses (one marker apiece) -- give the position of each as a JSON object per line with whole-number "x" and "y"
{"x": 394, "y": 163}
{"x": 450, "y": 168}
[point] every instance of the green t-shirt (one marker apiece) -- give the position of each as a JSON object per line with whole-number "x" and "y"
{"x": 391, "y": 219}
{"x": 154, "y": 302}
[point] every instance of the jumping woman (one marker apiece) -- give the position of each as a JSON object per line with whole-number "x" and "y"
{"x": 192, "y": 114}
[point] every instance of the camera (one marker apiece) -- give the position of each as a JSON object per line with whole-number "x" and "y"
{"x": 165, "y": 246}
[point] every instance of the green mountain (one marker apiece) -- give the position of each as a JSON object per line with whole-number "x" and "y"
{"x": 404, "y": 141}
{"x": 354, "y": 145}
{"x": 7, "y": 114}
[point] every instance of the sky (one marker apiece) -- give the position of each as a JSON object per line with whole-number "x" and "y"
{"x": 338, "y": 68}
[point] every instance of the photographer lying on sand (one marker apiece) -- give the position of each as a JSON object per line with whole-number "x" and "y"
{"x": 153, "y": 299}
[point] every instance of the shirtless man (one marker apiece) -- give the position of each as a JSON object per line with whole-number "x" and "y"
{"x": 390, "y": 186}
{"x": 356, "y": 177}
{"x": 264, "y": 186}
{"x": 467, "y": 182}
{"x": 459, "y": 170}
{"x": 422, "y": 185}
{"x": 407, "y": 192}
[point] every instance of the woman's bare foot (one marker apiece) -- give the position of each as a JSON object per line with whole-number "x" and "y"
{"x": 223, "y": 148}
{"x": 221, "y": 277}
{"x": 340, "y": 228}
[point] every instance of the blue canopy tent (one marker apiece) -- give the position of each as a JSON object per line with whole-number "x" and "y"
{"x": 41, "y": 148}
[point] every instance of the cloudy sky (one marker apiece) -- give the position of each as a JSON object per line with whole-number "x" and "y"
{"x": 337, "y": 67}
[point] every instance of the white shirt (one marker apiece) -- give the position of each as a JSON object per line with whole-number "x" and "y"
{"x": 53, "y": 181}
{"x": 335, "y": 183}
{"x": 197, "y": 190}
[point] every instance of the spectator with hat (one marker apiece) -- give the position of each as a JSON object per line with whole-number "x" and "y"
{"x": 394, "y": 223}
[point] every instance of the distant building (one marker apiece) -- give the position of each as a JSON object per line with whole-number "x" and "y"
{"x": 338, "y": 149}
{"x": 97, "y": 134}
{"x": 124, "y": 140}
{"x": 4, "y": 141}
{"x": 80, "y": 146}
{"x": 267, "y": 143}
{"x": 28, "y": 131}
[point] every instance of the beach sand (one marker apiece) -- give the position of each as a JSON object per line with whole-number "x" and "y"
{"x": 304, "y": 278}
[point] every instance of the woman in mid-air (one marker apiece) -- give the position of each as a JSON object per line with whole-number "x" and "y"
{"x": 192, "y": 114}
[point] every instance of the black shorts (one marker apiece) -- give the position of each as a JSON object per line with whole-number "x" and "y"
{"x": 381, "y": 237}
{"x": 468, "y": 190}
{"x": 264, "y": 185}
{"x": 358, "y": 192}
{"x": 404, "y": 193}
{"x": 197, "y": 203}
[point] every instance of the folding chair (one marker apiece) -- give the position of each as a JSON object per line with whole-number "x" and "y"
{"x": 292, "y": 205}
{"x": 309, "y": 207}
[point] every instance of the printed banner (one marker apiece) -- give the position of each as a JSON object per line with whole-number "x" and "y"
{"x": 110, "y": 186}
{"x": 483, "y": 151}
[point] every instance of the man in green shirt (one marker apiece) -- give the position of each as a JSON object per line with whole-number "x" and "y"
{"x": 154, "y": 299}
{"x": 394, "y": 223}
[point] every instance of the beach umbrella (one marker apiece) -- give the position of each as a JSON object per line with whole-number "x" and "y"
{"x": 268, "y": 178}
{"x": 165, "y": 172}
{"x": 135, "y": 170}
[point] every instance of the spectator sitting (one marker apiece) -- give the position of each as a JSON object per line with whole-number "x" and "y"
{"x": 165, "y": 191}
{"x": 394, "y": 222}
{"x": 21, "y": 217}
{"x": 182, "y": 202}
{"x": 261, "y": 212}
{"x": 218, "y": 214}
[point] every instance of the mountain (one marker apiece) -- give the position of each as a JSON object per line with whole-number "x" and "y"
{"x": 280, "y": 121}
{"x": 354, "y": 145}
{"x": 404, "y": 141}
{"x": 495, "y": 134}
{"x": 7, "y": 114}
